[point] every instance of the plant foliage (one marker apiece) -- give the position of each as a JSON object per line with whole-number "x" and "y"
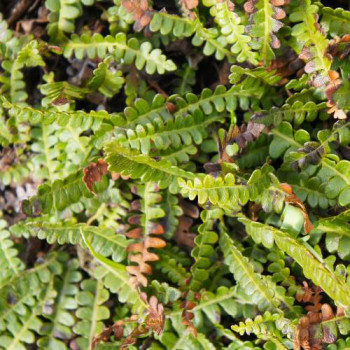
{"x": 174, "y": 175}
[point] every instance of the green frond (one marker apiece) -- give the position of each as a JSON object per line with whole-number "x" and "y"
{"x": 20, "y": 297}
{"x": 203, "y": 251}
{"x": 337, "y": 231}
{"x": 115, "y": 277}
{"x": 266, "y": 77}
{"x": 335, "y": 21}
{"x": 167, "y": 23}
{"x": 286, "y": 140}
{"x": 212, "y": 304}
{"x": 76, "y": 119}
{"x": 129, "y": 162}
{"x": 161, "y": 134}
{"x": 222, "y": 191}
{"x": 263, "y": 30}
{"x": 104, "y": 240}
{"x": 313, "y": 267}
{"x": 253, "y": 284}
{"x": 91, "y": 311}
{"x": 62, "y": 15}
{"x": 129, "y": 51}
{"x": 173, "y": 269}
{"x": 61, "y": 321}
{"x": 264, "y": 327}
{"x": 214, "y": 43}
{"x": 311, "y": 41}
{"x": 22, "y": 331}
{"x": 106, "y": 80}
{"x": 14, "y": 85}
{"x": 296, "y": 113}
{"x": 11, "y": 265}
{"x": 232, "y": 29}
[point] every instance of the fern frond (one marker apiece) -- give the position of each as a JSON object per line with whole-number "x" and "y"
{"x": 296, "y": 113}
{"x": 10, "y": 263}
{"x": 232, "y": 29}
{"x": 264, "y": 327}
{"x": 214, "y": 43}
{"x": 162, "y": 135}
{"x": 203, "y": 251}
{"x": 91, "y": 311}
{"x": 62, "y": 16}
{"x": 58, "y": 196}
{"x": 337, "y": 233}
{"x": 23, "y": 330}
{"x": 178, "y": 156}
{"x": 312, "y": 41}
{"x": 146, "y": 234}
{"x": 131, "y": 163}
{"x": 335, "y": 21}
{"x": 252, "y": 283}
{"x": 28, "y": 56}
{"x": 266, "y": 77}
{"x": 129, "y": 51}
{"x": 285, "y": 140}
{"x": 167, "y": 23}
{"x": 23, "y": 289}
{"x": 115, "y": 277}
{"x": 61, "y": 89}
{"x": 265, "y": 25}
{"x": 222, "y": 191}
{"x": 313, "y": 268}
{"x": 212, "y": 304}
{"x": 76, "y": 119}
{"x": 173, "y": 269}
{"x": 107, "y": 81}
{"x": 61, "y": 321}
{"x": 104, "y": 240}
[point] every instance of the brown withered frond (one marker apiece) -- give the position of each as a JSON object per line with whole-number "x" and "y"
{"x": 145, "y": 233}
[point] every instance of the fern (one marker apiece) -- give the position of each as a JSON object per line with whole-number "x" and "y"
{"x": 311, "y": 38}
{"x": 131, "y": 163}
{"x": 107, "y": 81}
{"x": 187, "y": 130}
{"x": 91, "y": 311}
{"x": 264, "y": 27}
{"x": 313, "y": 268}
{"x": 335, "y": 21}
{"x": 252, "y": 283}
{"x": 298, "y": 113}
{"x": 103, "y": 240}
{"x": 12, "y": 265}
{"x": 115, "y": 278}
{"x": 214, "y": 43}
{"x": 174, "y": 178}
{"x": 232, "y": 30}
{"x": 29, "y": 56}
{"x": 203, "y": 251}
{"x": 60, "y": 319}
{"x": 167, "y": 23}
{"x": 63, "y": 13}
{"x": 130, "y": 51}
{"x": 336, "y": 228}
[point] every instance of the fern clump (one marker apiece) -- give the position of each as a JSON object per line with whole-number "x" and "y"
{"x": 174, "y": 175}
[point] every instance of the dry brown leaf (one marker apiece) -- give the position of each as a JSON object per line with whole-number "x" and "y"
{"x": 141, "y": 12}
{"x": 94, "y": 172}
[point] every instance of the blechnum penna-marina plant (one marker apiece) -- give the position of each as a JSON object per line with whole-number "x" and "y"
{"x": 174, "y": 174}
